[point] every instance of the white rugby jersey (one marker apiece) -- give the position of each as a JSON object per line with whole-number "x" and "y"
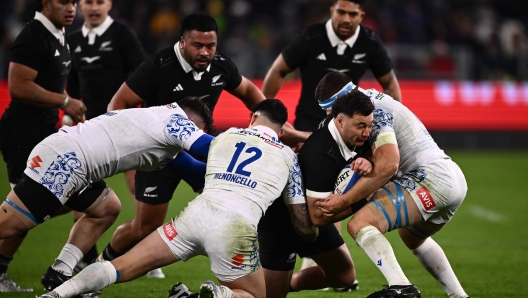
{"x": 415, "y": 144}
{"x": 141, "y": 138}
{"x": 248, "y": 168}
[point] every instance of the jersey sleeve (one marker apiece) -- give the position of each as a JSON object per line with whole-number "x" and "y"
{"x": 293, "y": 192}
{"x": 380, "y": 63}
{"x": 319, "y": 174}
{"x": 235, "y": 78}
{"x": 132, "y": 51}
{"x": 28, "y": 50}
{"x": 143, "y": 80}
{"x": 182, "y": 132}
{"x": 383, "y": 126}
{"x": 295, "y": 52}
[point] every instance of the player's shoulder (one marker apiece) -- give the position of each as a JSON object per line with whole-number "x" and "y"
{"x": 164, "y": 58}
{"x": 315, "y": 31}
{"x": 33, "y": 29}
{"x": 118, "y": 29}
{"x": 221, "y": 61}
{"x": 369, "y": 35}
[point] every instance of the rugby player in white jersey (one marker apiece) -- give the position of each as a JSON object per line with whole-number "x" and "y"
{"x": 67, "y": 170}
{"x": 247, "y": 169}
{"x": 421, "y": 188}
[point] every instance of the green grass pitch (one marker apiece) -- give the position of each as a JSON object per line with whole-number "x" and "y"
{"x": 486, "y": 242}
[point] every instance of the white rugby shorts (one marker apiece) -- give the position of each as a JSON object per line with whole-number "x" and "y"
{"x": 438, "y": 189}
{"x": 58, "y": 164}
{"x": 226, "y": 237}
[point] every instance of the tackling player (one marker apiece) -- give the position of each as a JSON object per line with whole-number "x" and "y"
{"x": 427, "y": 188}
{"x": 247, "y": 170}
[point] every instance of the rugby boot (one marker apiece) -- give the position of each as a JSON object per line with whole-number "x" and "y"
{"x": 180, "y": 290}
{"x": 397, "y": 291}
{"x": 209, "y": 289}
{"x": 352, "y": 287}
{"x": 52, "y": 279}
{"x": 7, "y": 285}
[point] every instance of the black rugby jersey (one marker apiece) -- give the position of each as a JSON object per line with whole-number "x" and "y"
{"x": 161, "y": 80}
{"x": 312, "y": 52}
{"x": 99, "y": 69}
{"x": 321, "y": 161}
{"x": 37, "y": 48}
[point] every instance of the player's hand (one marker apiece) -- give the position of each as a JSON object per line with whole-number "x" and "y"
{"x": 361, "y": 166}
{"x": 289, "y": 135}
{"x": 76, "y": 109}
{"x": 332, "y": 205}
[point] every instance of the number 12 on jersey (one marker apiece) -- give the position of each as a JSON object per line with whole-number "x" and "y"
{"x": 256, "y": 154}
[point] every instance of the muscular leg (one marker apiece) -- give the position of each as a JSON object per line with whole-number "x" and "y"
{"x": 150, "y": 253}
{"x": 431, "y": 256}
{"x": 249, "y": 286}
{"x": 335, "y": 269}
{"x": 129, "y": 178}
{"x": 277, "y": 282}
{"x": 147, "y": 219}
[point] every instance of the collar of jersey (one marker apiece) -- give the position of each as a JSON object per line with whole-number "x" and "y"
{"x": 49, "y": 25}
{"x": 345, "y": 151}
{"x": 334, "y": 40}
{"x": 99, "y": 30}
{"x": 186, "y": 66}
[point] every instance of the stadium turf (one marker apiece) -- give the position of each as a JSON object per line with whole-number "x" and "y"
{"x": 486, "y": 241}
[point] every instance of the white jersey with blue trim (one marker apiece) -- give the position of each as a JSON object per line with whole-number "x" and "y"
{"x": 415, "y": 144}
{"x": 142, "y": 138}
{"x": 248, "y": 168}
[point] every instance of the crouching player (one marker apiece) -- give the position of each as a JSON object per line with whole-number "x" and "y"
{"x": 68, "y": 168}
{"x": 247, "y": 169}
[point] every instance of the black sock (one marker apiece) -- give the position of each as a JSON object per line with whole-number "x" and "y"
{"x": 4, "y": 263}
{"x": 109, "y": 253}
{"x": 90, "y": 256}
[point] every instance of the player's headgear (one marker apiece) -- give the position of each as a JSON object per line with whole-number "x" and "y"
{"x": 273, "y": 109}
{"x": 353, "y": 102}
{"x": 196, "y": 105}
{"x": 199, "y": 21}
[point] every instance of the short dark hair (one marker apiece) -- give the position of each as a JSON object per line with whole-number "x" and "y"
{"x": 198, "y": 21}
{"x": 273, "y": 109}
{"x": 330, "y": 84}
{"x": 353, "y": 102}
{"x": 196, "y": 105}
{"x": 39, "y": 6}
{"x": 360, "y": 2}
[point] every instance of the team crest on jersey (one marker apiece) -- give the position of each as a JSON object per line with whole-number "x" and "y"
{"x": 215, "y": 82}
{"x": 105, "y": 46}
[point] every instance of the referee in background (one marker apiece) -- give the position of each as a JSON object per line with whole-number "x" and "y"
{"x": 39, "y": 64}
{"x": 104, "y": 53}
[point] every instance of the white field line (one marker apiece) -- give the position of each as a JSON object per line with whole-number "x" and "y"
{"x": 486, "y": 214}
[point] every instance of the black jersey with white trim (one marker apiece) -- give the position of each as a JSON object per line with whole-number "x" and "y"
{"x": 312, "y": 52}
{"x": 100, "y": 68}
{"x": 321, "y": 160}
{"x": 161, "y": 80}
{"x": 37, "y": 48}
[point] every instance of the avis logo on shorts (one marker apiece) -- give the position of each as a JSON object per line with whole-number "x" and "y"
{"x": 425, "y": 198}
{"x": 170, "y": 231}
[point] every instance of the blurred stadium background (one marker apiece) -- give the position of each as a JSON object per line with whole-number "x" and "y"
{"x": 463, "y": 70}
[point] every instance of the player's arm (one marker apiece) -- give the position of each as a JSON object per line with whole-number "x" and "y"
{"x": 22, "y": 86}
{"x": 275, "y": 77}
{"x": 301, "y": 221}
{"x": 248, "y": 93}
{"x": 293, "y": 137}
{"x": 390, "y": 85}
{"x": 189, "y": 168}
{"x": 318, "y": 217}
{"x": 124, "y": 98}
{"x": 386, "y": 159}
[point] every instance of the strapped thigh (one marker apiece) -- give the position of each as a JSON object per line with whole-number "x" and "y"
{"x": 399, "y": 205}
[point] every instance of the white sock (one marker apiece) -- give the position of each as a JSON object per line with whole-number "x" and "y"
{"x": 92, "y": 278}
{"x": 379, "y": 250}
{"x": 434, "y": 260}
{"x": 68, "y": 258}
